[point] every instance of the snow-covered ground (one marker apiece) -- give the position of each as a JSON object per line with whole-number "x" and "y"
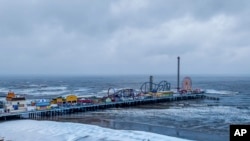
{"x": 30, "y": 130}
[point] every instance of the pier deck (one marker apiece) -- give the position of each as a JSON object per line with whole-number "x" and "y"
{"x": 101, "y": 106}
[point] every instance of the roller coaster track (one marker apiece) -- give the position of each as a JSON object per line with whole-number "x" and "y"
{"x": 161, "y": 86}
{"x": 122, "y": 92}
{"x": 145, "y": 88}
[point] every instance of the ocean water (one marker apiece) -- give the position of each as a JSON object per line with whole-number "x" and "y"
{"x": 192, "y": 119}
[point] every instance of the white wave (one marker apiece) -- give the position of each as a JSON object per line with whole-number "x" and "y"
{"x": 54, "y": 88}
{"x": 34, "y": 85}
{"x": 2, "y": 98}
{"x": 103, "y": 92}
{"x": 212, "y": 91}
{"x": 50, "y": 93}
{"x": 4, "y": 90}
{"x": 64, "y": 131}
{"x": 82, "y": 90}
{"x": 207, "y": 113}
{"x": 17, "y": 91}
{"x": 39, "y": 90}
{"x": 34, "y": 92}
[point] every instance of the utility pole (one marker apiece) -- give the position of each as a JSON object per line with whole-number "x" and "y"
{"x": 150, "y": 83}
{"x": 178, "y": 74}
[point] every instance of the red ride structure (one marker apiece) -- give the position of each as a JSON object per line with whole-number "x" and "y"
{"x": 187, "y": 87}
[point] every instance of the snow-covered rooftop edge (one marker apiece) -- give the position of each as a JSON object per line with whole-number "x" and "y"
{"x": 30, "y": 130}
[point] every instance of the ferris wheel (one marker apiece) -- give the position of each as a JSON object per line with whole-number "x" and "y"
{"x": 187, "y": 84}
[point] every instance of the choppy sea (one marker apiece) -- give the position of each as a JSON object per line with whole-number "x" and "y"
{"x": 192, "y": 119}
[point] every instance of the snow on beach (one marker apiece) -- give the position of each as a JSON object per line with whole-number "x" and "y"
{"x": 30, "y": 130}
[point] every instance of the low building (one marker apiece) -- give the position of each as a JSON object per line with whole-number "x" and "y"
{"x": 84, "y": 101}
{"x": 1, "y": 107}
{"x": 31, "y": 105}
{"x": 15, "y": 103}
{"x": 71, "y": 99}
{"x": 42, "y": 104}
{"x": 58, "y": 100}
{"x": 106, "y": 99}
{"x": 10, "y": 95}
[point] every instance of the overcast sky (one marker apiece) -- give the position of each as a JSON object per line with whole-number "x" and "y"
{"x": 124, "y": 36}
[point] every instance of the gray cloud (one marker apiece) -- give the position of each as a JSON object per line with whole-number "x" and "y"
{"x": 124, "y": 37}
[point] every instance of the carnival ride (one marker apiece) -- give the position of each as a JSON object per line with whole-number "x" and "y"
{"x": 122, "y": 94}
{"x": 147, "y": 87}
{"x": 187, "y": 87}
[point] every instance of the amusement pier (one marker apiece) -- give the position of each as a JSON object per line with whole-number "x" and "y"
{"x": 17, "y": 107}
